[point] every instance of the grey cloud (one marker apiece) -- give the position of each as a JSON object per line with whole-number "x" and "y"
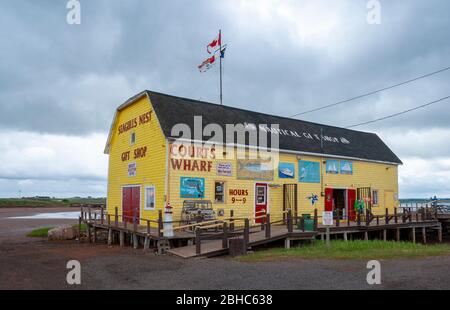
{"x": 161, "y": 42}
{"x": 67, "y": 80}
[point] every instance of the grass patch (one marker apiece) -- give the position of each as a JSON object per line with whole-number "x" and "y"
{"x": 83, "y": 227}
{"x": 43, "y": 231}
{"x": 351, "y": 250}
{"x": 39, "y": 232}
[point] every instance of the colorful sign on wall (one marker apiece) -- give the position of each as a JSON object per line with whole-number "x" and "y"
{"x": 255, "y": 169}
{"x": 131, "y": 169}
{"x": 225, "y": 169}
{"x": 346, "y": 167}
{"x": 192, "y": 187}
{"x": 332, "y": 166}
{"x": 308, "y": 171}
{"x": 286, "y": 171}
{"x": 238, "y": 196}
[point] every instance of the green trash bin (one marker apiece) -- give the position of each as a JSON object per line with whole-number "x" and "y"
{"x": 309, "y": 222}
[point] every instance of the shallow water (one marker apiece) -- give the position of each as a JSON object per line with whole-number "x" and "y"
{"x": 50, "y": 215}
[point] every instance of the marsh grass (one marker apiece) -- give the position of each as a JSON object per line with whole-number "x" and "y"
{"x": 351, "y": 250}
{"x": 39, "y": 232}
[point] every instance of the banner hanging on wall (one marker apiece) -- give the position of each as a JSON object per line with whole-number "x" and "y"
{"x": 332, "y": 166}
{"x": 308, "y": 171}
{"x": 286, "y": 171}
{"x": 192, "y": 187}
{"x": 346, "y": 167}
{"x": 255, "y": 169}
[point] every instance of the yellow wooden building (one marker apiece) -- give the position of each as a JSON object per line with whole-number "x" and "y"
{"x": 314, "y": 166}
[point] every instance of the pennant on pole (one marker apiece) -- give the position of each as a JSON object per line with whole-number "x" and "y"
{"x": 207, "y": 63}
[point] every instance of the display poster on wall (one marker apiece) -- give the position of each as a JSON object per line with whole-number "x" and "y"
{"x": 346, "y": 167}
{"x": 255, "y": 169}
{"x": 308, "y": 171}
{"x": 286, "y": 171}
{"x": 192, "y": 187}
{"x": 327, "y": 218}
{"x": 332, "y": 167}
{"x": 225, "y": 169}
{"x": 131, "y": 169}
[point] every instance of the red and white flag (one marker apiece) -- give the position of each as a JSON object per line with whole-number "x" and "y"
{"x": 207, "y": 63}
{"x": 216, "y": 43}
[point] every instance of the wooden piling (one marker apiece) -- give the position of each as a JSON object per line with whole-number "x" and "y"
{"x": 413, "y": 234}
{"x": 231, "y": 220}
{"x": 109, "y": 237}
{"x": 397, "y": 234}
{"x": 225, "y": 236}
{"x": 424, "y": 235}
{"x": 345, "y": 236}
{"x": 198, "y": 241}
{"x": 146, "y": 243}
{"x": 384, "y": 235}
{"x": 440, "y": 234}
{"x": 366, "y": 236}
{"x": 121, "y": 239}
{"x": 287, "y": 243}
{"x": 135, "y": 241}
{"x": 79, "y": 228}
{"x": 88, "y": 231}
{"x": 289, "y": 221}
{"x": 316, "y": 220}
{"x": 246, "y": 231}
{"x": 268, "y": 227}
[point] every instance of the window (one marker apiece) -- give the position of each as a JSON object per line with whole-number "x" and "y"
{"x": 260, "y": 195}
{"x": 219, "y": 191}
{"x": 375, "y": 197}
{"x": 149, "y": 198}
{"x": 133, "y": 138}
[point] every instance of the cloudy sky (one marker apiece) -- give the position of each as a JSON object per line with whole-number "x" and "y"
{"x": 60, "y": 83}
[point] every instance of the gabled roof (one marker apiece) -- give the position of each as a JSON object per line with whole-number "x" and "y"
{"x": 295, "y": 136}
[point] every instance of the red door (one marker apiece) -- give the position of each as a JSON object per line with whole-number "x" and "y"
{"x": 260, "y": 201}
{"x": 351, "y": 197}
{"x": 131, "y": 200}
{"x": 329, "y": 199}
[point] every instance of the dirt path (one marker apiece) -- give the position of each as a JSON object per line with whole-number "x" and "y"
{"x": 28, "y": 263}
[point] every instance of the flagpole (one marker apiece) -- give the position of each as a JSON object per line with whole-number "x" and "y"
{"x": 220, "y": 55}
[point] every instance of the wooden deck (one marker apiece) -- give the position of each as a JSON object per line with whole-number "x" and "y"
{"x": 212, "y": 238}
{"x": 212, "y": 248}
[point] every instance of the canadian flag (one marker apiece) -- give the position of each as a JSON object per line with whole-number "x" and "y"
{"x": 214, "y": 44}
{"x": 207, "y": 63}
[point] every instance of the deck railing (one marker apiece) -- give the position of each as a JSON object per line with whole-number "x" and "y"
{"x": 243, "y": 227}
